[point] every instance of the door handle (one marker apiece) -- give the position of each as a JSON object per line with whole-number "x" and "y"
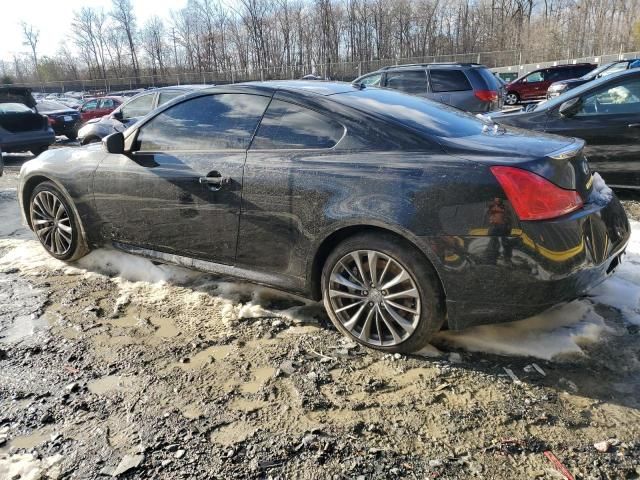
{"x": 634, "y": 125}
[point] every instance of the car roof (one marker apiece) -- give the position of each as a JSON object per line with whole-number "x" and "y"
{"x": 317, "y": 87}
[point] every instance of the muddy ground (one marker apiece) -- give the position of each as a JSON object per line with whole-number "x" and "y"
{"x": 118, "y": 367}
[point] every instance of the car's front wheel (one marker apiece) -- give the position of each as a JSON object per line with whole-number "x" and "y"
{"x": 511, "y": 98}
{"x": 55, "y": 224}
{"x": 382, "y": 292}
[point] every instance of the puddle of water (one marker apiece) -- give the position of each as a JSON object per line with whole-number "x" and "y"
{"x": 232, "y": 433}
{"x": 165, "y": 327}
{"x": 260, "y": 375}
{"x": 111, "y": 383}
{"x": 299, "y": 330}
{"x": 30, "y": 441}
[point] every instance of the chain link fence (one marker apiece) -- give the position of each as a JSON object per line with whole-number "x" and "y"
{"x": 507, "y": 63}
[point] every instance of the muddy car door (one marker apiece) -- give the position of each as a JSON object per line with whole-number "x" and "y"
{"x": 608, "y": 118}
{"x": 179, "y": 189}
{"x": 290, "y": 144}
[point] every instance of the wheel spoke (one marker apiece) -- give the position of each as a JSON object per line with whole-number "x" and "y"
{"x": 354, "y": 319}
{"x": 356, "y": 258}
{"x": 402, "y": 307}
{"x": 401, "y": 277}
{"x": 365, "y": 333}
{"x": 394, "y": 334}
{"x": 412, "y": 292}
{"x": 373, "y": 266}
{"x": 402, "y": 322}
{"x": 384, "y": 272}
{"x": 337, "y": 278}
{"x": 351, "y": 305}
{"x": 339, "y": 293}
{"x": 355, "y": 279}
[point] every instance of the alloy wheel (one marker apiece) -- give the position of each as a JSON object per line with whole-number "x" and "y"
{"x": 511, "y": 99}
{"x": 374, "y": 298}
{"x": 51, "y": 222}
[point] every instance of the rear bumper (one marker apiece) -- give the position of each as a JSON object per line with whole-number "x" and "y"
{"x": 493, "y": 279}
{"x": 20, "y": 141}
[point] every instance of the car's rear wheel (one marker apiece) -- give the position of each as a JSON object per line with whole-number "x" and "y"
{"x": 55, "y": 224}
{"x": 89, "y": 140}
{"x": 511, "y": 98}
{"x": 71, "y": 135}
{"x": 382, "y": 292}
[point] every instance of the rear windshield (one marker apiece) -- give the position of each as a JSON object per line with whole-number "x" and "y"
{"x": 50, "y": 106}
{"x": 414, "y": 112}
{"x": 13, "y": 108}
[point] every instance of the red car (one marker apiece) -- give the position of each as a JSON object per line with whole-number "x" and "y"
{"x": 534, "y": 85}
{"x": 99, "y": 107}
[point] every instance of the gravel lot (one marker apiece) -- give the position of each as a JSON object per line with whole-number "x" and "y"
{"x": 115, "y": 366}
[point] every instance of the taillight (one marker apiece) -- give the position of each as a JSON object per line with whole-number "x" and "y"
{"x": 534, "y": 197}
{"x": 51, "y": 120}
{"x": 486, "y": 95}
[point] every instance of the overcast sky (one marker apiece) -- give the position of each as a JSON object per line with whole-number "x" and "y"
{"x": 53, "y": 19}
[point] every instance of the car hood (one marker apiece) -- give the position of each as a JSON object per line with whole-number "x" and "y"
{"x": 573, "y": 82}
{"x": 65, "y": 111}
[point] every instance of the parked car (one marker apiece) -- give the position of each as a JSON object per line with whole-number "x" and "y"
{"x": 468, "y": 86}
{"x": 70, "y": 102}
{"x": 399, "y": 212}
{"x": 130, "y": 112}
{"x": 605, "y": 113}
{"x": 534, "y": 85}
{"x": 63, "y": 120}
{"x": 558, "y": 88}
{"x": 21, "y": 128}
{"x": 1, "y": 162}
{"x": 99, "y": 107}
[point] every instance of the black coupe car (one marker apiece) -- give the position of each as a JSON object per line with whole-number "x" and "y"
{"x": 400, "y": 213}
{"x": 605, "y": 113}
{"x": 64, "y": 120}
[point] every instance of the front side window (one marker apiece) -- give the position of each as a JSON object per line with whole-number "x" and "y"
{"x": 106, "y": 103}
{"x": 372, "y": 80}
{"x": 412, "y": 81}
{"x": 449, "y": 81}
{"x": 534, "y": 77}
{"x": 622, "y": 99}
{"x": 212, "y": 122}
{"x": 90, "y": 105}
{"x": 138, "y": 107}
{"x": 289, "y": 126}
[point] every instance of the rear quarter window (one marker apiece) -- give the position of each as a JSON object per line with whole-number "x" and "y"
{"x": 289, "y": 126}
{"x": 449, "y": 81}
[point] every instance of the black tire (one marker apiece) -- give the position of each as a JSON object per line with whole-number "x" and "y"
{"x": 428, "y": 303}
{"x": 71, "y": 135}
{"x": 35, "y": 151}
{"x": 511, "y": 98}
{"x": 77, "y": 246}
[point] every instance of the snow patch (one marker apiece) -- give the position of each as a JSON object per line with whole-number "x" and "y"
{"x": 557, "y": 333}
{"x": 29, "y": 467}
{"x": 601, "y": 194}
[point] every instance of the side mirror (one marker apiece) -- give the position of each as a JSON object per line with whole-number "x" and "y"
{"x": 118, "y": 115}
{"x": 570, "y": 107}
{"x": 114, "y": 143}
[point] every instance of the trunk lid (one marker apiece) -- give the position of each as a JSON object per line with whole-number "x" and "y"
{"x": 558, "y": 159}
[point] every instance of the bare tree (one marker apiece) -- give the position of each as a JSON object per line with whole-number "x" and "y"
{"x": 31, "y": 36}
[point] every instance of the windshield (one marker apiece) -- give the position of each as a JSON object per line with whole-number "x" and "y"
{"x": 13, "y": 108}
{"x": 596, "y": 72}
{"x": 49, "y": 106}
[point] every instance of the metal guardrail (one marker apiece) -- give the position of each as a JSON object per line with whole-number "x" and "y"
{"x": 508, "y": 61}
